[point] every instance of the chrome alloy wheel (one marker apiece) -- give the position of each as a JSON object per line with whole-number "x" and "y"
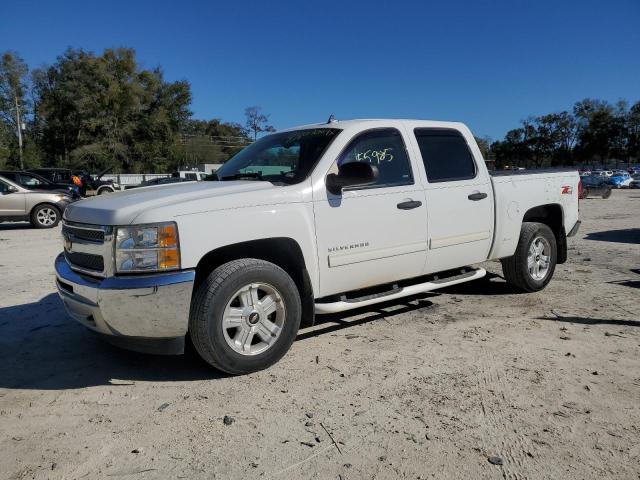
{"x": 47, "y": 216}
{"x": 253, "y": 319}
{"x": 539, "y": 258}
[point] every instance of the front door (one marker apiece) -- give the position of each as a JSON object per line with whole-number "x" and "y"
{"x": 459, "y": 200}
{"x": 374, "y": 234}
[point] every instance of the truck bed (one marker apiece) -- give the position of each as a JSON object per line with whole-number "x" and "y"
{"x": 518, "y": 191}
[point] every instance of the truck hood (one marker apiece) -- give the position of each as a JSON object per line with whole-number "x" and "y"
{"x": 122, "y": 208}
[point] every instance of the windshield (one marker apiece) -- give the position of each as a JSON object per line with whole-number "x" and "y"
{"x": 282, "y": 158}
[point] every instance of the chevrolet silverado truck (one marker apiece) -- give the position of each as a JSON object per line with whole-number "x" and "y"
{"x": 311, "y": 220}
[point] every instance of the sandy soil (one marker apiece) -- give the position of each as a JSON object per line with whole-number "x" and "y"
{"x": 427, "y": 388}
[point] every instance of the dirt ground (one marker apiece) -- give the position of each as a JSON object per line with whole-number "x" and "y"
{"x": 426, "y": 388}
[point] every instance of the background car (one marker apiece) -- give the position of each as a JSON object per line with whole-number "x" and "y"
{"x": 619, "y": 180}
{"x": 33, "y": 181}
{"x": 595, "y": 185}
{"x": 42, "y": 208}
{"x": 635, "y": 181}
{"x": 55, "y": 175}
{"x": 94, "y": 184}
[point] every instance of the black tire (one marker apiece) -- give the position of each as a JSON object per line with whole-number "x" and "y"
{"x": 210, "y": 300}
{"x": 607, "y": 193}
{"x": 515, "y": 269}
{"x": 102, "y": 191}
{"x": 585, "y": 192}
{"x": 53, "y": 216}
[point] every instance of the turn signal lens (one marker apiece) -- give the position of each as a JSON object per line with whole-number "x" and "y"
{"x": 168, "y": 259}
{"x": 168, "y": 235}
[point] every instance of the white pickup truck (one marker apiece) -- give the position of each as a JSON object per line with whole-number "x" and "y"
{"x": 311, "y": 220}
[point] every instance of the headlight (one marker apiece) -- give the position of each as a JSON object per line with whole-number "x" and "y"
{"x": 147, "y": 248}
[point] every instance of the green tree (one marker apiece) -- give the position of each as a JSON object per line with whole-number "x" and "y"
{"x": 598, "y": 128}
{"x": 105, "y": 111}
{"x": 210, "y": 141}
{"x": 484, "y": 144}
{"x": 633, "y": 133}
{"x": 13, "y": 99}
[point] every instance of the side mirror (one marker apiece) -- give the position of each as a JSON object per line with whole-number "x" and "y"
{"x": 12, "y": 189}
{"x": 352, "y": 174}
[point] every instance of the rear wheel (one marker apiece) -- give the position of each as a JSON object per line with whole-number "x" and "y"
{"x": 532, "y": 265}
{"x": 244, "y": 316}
{"x": 45, "y": 216}
{"x": 606, "y": 193}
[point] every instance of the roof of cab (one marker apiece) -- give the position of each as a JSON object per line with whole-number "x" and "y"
{"x": 361, "y": 122}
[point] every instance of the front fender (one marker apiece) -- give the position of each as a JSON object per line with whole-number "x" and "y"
{"x": 200, "y": 233}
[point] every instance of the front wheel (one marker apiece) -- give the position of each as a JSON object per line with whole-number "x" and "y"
{"x": 532, "y": 265}
{"x": 244, "y": 316}
{"x": 45, "y": 216}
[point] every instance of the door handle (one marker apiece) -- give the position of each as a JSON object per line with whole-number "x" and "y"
{"x": 409, "y": 204}
{"x": 475, "y": 196}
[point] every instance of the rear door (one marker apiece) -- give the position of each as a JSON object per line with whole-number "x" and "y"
{"x": 375, "y": 234}
{"x": 12, "y": 204}
{"x": 459, "y": 199}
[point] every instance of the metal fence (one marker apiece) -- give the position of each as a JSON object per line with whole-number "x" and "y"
{"x": 133, "y": 178}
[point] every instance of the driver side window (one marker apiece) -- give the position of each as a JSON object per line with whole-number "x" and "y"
{"x": 4, "y": 188}
{"x": 385, "y": 149}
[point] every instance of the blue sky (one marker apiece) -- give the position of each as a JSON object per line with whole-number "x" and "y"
{"x": 486, "y": 63}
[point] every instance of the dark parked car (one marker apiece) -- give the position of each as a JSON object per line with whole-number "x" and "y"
{"x": 33, "y": 181}
{"x": 95, "y": 185}
{"x": 55, "y": 175}
{"x": 89, "y": 184}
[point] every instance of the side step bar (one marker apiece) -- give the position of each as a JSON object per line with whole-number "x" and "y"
{"x": 394, "y": 293}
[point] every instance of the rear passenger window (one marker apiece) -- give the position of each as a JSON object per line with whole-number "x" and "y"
{"x": 385, "y": 149}
{"x": 445, "y": 154}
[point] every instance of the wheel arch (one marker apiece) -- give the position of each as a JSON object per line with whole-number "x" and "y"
{"x": 284, "y": 252}
{"x": 102, "y": 188}
{"x": 551, "y": 215}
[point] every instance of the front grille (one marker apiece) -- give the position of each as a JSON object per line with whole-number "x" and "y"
{"x": 88, "y": 248}
{"x": 86, "y": 261}
{"x": 84, "y": 234}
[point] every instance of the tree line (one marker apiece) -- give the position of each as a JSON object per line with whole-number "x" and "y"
{"x": 593, "y": 133}
{"x": 89, "y": 111}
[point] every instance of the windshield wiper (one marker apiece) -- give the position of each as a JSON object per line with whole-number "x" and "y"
{"x": 238, "y": 176}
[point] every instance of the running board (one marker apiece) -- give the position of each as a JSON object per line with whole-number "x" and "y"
{"x": 396, "y": 292}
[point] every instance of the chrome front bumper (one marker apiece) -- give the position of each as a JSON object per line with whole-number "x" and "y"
{"x": 144, "y": 306}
